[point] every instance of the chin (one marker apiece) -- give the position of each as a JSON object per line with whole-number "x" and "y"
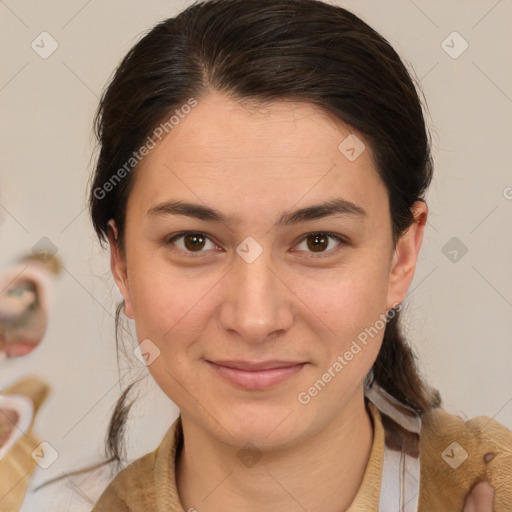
{"x": 267, "y": 426}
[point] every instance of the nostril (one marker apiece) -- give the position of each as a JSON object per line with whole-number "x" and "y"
{"x": 488, "y": 457}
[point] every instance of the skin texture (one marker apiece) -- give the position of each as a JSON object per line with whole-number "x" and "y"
{"x": 256, "y": 162}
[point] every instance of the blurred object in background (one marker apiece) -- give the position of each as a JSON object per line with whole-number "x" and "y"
{"x": 19, "y": 448}
{"x": 24, "y": 304}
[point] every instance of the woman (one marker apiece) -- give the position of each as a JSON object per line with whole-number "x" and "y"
{"x": 260, "y": 182}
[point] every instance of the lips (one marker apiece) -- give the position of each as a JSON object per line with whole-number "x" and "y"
{"x": 264, "y": 365}
{"x": 256, "y": 375}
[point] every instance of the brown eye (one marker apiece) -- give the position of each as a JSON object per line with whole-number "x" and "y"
{"x": 194, "y": 241}
{"x": 191, "y": 243}
{"x": 320, "y": 243}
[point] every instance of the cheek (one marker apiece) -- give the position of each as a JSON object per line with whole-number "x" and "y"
{"x": 170, "y": 311}
{"x": 350, "y": 298}
{"x": 351, "y": 306}
{"x": 163, "y": 303}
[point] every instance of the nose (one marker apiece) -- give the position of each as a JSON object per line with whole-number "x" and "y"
{"x": 257, "y": 303}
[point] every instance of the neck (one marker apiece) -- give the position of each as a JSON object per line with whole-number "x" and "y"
{"x": 322, "y": 473}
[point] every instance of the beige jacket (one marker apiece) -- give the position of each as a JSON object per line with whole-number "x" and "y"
{"x": 149, "y": 483}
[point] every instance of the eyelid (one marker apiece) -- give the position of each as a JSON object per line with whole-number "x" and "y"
{"x": 343, "y": 241}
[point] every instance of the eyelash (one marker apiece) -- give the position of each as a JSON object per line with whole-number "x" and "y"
{"x": 197, "y": 254}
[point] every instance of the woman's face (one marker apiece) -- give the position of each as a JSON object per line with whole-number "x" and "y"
{"x": 259, "y": 330}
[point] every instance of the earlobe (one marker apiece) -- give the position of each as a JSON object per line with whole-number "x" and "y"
{"x": 405, "y": 256}
{"x": 118, "y": 267}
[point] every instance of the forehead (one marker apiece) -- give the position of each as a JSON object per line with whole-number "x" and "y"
{"x": 231, "y": 154}
{"x": 221, "y": 130}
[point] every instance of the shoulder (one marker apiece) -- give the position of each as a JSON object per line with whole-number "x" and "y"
{"x": 133, "y": 485}
{"x": 146, "y": 482}
{"x": 455, "y": 454}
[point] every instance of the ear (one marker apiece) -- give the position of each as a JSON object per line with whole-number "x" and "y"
{"x": 118, "y": 267}
{"x": 405, "y": 256}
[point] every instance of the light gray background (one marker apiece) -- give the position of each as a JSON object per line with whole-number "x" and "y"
{"x": 459, "y": 313}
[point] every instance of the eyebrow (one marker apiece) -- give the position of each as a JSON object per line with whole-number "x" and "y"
{"x": 329, "y": 208}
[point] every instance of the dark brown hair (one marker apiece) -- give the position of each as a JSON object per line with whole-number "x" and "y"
{"x": 265, "y": 50}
